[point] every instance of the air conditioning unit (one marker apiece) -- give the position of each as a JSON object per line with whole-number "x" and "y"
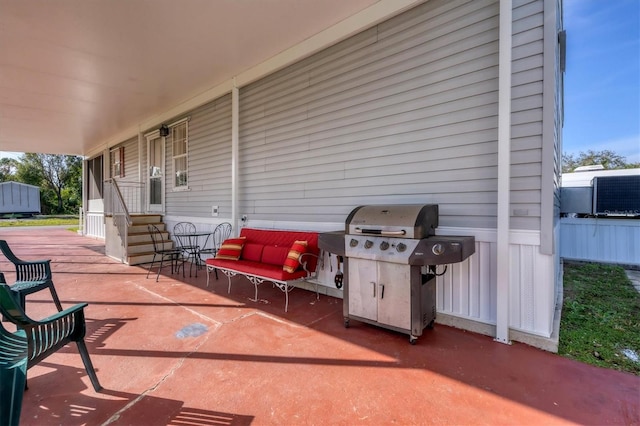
{"x": 578, "y": 200}
{"x": 616, "y": 195}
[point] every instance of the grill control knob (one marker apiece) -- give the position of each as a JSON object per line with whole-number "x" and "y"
{"x": 384, "y": 245}
{"x": 401, "y": 247}
{"x": 437, "y": 249}
{"x": 353, "y": 242}
{"x": 368, "y": 244}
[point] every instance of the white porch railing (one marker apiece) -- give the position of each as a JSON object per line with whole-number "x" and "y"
{"x": 122, "y": 198}
{"x": 132, "y": 195}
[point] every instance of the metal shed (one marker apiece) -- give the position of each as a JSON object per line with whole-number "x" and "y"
{"x": 19, "y": 198}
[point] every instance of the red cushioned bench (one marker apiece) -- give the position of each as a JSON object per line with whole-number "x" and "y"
{"x": 269, "y": 255}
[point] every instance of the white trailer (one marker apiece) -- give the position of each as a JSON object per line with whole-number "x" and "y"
{"x": 19, "y": 198}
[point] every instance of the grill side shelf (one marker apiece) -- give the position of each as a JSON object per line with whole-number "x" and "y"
{"x": 332, "y": 242}
{"x": 443, "y": 250}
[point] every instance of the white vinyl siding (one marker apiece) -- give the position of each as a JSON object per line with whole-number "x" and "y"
{"x": 131, "y": 160}
{"x": 129, "y": 170}
{"x": 405, "y": 112}
{"x": 526, "y": 118}
{"x": 209, "y": 163}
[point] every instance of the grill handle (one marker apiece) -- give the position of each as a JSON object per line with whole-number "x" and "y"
{"x": 380, "y": 232}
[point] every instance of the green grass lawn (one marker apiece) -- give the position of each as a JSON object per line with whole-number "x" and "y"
{"x": 600, "y": 317}
{"x": 49, "y": 221}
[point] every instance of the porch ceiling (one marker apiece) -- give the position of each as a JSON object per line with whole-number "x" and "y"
{"x": 75, "y": 73}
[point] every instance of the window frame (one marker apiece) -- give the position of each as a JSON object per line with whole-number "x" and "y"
{"x": 116, "y": 160}
{"x": 176, "y": 184}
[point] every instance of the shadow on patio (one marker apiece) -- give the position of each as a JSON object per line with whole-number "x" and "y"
{"x": 252, "y": 363}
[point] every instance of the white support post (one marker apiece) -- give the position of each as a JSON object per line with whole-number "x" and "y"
{"x": 504, "y": 173}
{"x": 143, "y": 170}
{"x": 85, "y": 196}
{"x": 235, "y": 141}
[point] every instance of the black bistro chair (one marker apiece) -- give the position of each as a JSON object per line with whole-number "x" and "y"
{"x": 172, "y": 254}
{"x": 220, "y": 233}
{"x": 185, "y": 234}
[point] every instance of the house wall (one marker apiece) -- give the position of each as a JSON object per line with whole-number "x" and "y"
{"x": 130, "y": 185}
{"x": 406, "y": 112}
{"x": 467, "y": 290}
{"x": 526, "y": 117}
{"x": 403, "y": 112}
{"x": 209, "y": 162}
{"x": 132, "y": 160}
{"x": 553, "y": 120}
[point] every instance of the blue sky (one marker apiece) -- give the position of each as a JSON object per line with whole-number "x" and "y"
{"x": 602, "y": 79}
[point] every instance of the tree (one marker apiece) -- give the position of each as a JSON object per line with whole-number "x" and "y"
{"x": 8, "y": 167}
{"x": 59, "y": 178}
{"x": 608, "y": 159}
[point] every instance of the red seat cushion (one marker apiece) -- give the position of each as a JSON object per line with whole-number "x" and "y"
{"x": 252, "y": 251}
{"x": 274, "y": 255}
{"x": 274, "y": 272}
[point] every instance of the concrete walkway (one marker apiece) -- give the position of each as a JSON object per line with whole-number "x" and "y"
{"x": 175, "y": 352}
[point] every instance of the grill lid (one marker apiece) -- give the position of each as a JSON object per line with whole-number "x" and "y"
{"x": 401, "y": 220}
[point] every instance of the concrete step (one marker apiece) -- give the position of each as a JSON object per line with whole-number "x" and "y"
{"x": 141, "y": 219}
{"x": 144, "y": 247}
{"x": 142, "y": 228}
{"x": 140, "y": 258}
{"x": 147, "y": 247}
{"x": 143, "y": 237}
{"x": 140, "y": 244}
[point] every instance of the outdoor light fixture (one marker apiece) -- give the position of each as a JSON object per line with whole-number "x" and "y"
{"x": 164, "y": 130}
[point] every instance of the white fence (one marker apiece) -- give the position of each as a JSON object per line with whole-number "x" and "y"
{"x": 600, "y": 240}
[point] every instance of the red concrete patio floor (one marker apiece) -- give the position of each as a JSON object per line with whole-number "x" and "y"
{"x": 258, "y": 365}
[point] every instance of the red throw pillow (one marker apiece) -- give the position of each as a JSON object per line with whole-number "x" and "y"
{"x": 292, "y": 262}
{"x": 231, "y": 249}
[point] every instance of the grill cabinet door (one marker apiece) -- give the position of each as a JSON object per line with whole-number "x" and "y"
{"x": 380, "y": 292}
{"x": 394, "y": 295}
{"x": 362, "y": 288}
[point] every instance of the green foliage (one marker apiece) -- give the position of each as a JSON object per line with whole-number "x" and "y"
{"x": 600, "y": 317}
{"x": 59, "y": 178}
{"x": 608, "y": 159}
{"x": 8, "y": 167}
{"x": 10, "y": 223}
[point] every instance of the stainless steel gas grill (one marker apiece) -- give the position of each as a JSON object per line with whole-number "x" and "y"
{"x": 392, "y": 253}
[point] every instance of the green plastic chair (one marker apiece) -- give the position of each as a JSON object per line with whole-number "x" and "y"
{"x": 46, "y": 336}
{"x": 31, "y": 276}
{"x": 13, "y": 374}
